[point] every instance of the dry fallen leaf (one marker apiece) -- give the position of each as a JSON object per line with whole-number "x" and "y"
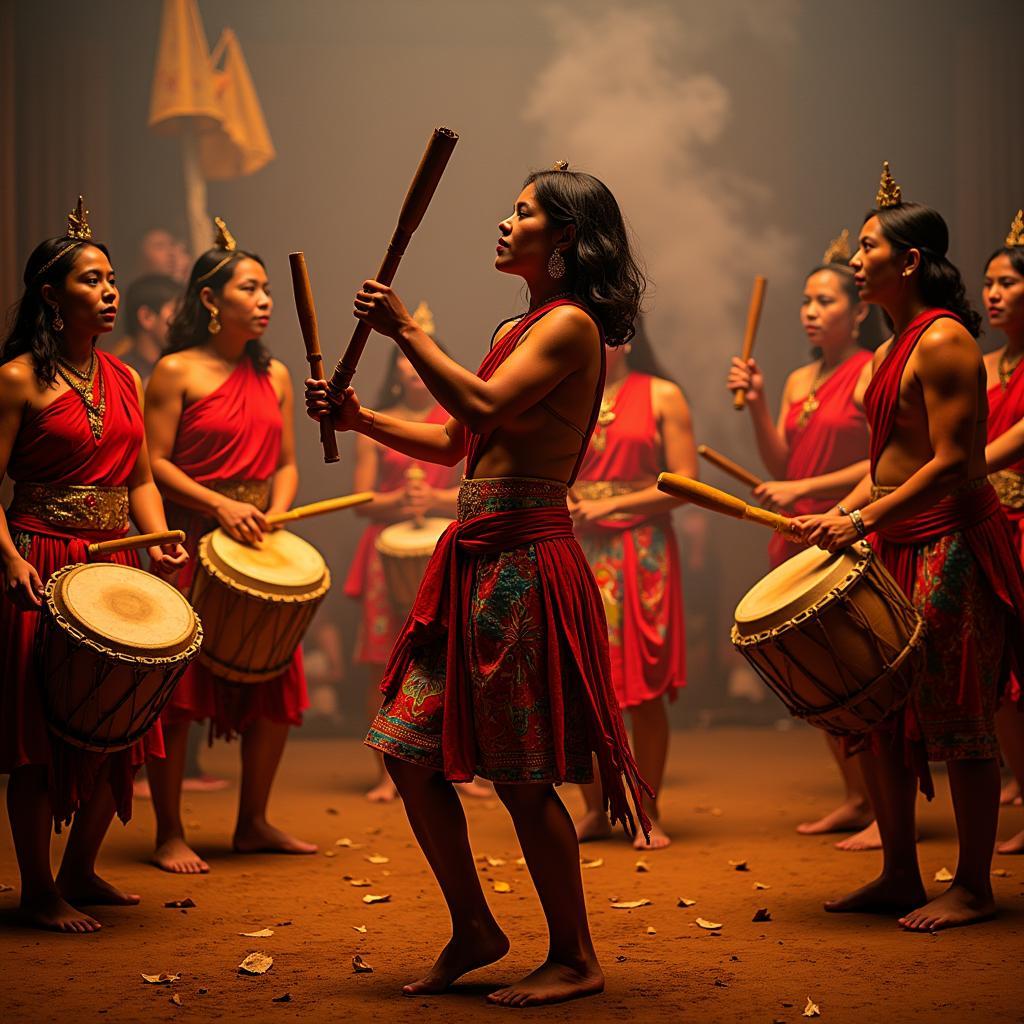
{"x": 160, "y": 979}
{"x": 642, "y": 866}
{"x": 376, "y": 858}
{"x": 6, "y": 888}
{"x": 762, "y": 915}
{"x": 263, "y": 933}
{"x": 502, "y": 887}
{"x": 176, "y": 999}
{"x": 595, "y": 863}
{"x": 286, "y": 998}
{"x": 943, "y": 875}
{"x": 630, "y": 904}
{"x": 739, "y": 865}
{"x": 684, "y": 902}
{"x": 1000, "y": 873}
{"x": 174, "y": 904}
{"x": 709, "y": 925}
{"x": 282, "y": 924}
{"x": 652, "y": 931}
{"x": 256, "y": 963}
{"x": 360, "y": 883}
{"x": 347, "y": 843}
{"x": 360, "y": 966}
{"x": 521, "y": 861}
{"x": 361, "y": 928}
{"x": 495, "y": 862}
{"x": 760, "y": 885}
{"x": 368, "y": 898}
{"x": 330, "y": 853}
{"x": 812, "y": 1009}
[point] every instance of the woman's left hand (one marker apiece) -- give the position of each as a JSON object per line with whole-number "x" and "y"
{"x": 779, "y": 495}
{"x": 167, "y": 559}
{"x": 831, "y": 531}
{"x": 379, "y": 307}
{"x": 591, "y": 510}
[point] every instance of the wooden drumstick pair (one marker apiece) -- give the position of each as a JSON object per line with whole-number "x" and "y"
{"x": 715, "y": 500}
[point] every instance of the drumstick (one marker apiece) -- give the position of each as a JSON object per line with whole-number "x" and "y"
{"x": 311, "y": 338}
{"x": 319, "y": 508}
{"x": 142, "y": 540}
{"x": 753, "y": 317}
{"x": 421, "y": 191}
{"x": 724, "y": 463}
{"x": 719, "y": 501}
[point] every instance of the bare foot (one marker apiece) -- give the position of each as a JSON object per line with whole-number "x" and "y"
{"x": 659, "y": 839}
{"x": 867, "y": 839}
{"x": 479, "y": 789}
{"x": 203, "y": 784}
{"x": 93, "y": 891}
{"x": 1014, "y": 845}
{"x": 882, "y": 896}
{"x": 383, "y": 793}
{"x": 179, "y": 858}
{"x": 552, "y": 982}
{"x": 262, "y": 837}
{"x": 955, "y": 907}
{"x": 852, "y": 816}
{"x": 54, "y": 914}
{"x": 484, "y": 945}
{"x": 593, "y": 825}
{"x": 1010, "y": 793}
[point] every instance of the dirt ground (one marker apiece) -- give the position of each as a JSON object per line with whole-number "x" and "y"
{"x": 733, "y": 795}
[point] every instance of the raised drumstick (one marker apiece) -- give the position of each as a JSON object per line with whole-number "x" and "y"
{"x": 715, "y": 500}
{"x": 319, "y": 508}
{"x": 311, "y": 338}
{"x": 142, "y": 540}
{"x": 726, "y": 465}
{"x": 753, "y": 318}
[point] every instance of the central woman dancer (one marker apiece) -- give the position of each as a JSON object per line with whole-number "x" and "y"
{"x": 502, "y": 669}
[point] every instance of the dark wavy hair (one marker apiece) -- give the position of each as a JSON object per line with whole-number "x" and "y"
{"x": 603, "y": 271}
{"x": 190, "y": 325}
{"x": 30, "y": 320}
{"x": 873, "y": 329}
{"x": 916, "y": 226}
{"x": 1014, "y": 253}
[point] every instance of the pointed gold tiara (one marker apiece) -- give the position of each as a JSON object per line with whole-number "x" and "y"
{"x": 561, "y": 165}
{"x": 1016, "y": 236}
{"x": 889, "y": 193}
{"x": 838, "y": 250}
{"x": 224, "y": 239}
{"x": 78, "y": 222}
{"x": 424, "y": 319}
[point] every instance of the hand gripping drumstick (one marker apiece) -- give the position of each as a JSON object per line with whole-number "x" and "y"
{"x": 753, "y": 317}
{"x": 142, "y": 540}
{"x": 726, "y": 465}
{"x": 311, "y": 338}
{"x": 715, "y": 500}
{"x": 319, "y": 508}
{"x": 421, "y": 191}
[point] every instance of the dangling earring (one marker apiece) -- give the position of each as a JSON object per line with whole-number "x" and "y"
{"x": 396, "y": 389}
{"x": 58, "y": 320}
{"x": 214, "y": 327}
{"x": 556, "y": 266}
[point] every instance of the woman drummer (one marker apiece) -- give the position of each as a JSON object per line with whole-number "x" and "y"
{"x": 625, "y": 529}
{"x": 398, "y": 497}
{"x": 1003, "y": 296}
{"x": 817, "y": 450}
{"x": 71, "y": 438}
{"x": 219, "y": 424}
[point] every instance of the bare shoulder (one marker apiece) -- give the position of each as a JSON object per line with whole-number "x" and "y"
{"x": 666, "y": 395}
{"x": 946, "y": 339}
{"x": 565, "y": 327}
{"x": 280, "y": 376}
{"x": 802, "y": 377}
{"x": 175, "y": 367}
{"x": 18, "y": 382}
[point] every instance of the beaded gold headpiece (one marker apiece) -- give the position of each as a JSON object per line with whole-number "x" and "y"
{"x": 424, "y": 319}
{"x": 838, "y": 250}
{"x": 1016, "y": 236}
{"x": 561, "y": 165}
{"x": 78, "y": 231}
{"x": 889, "y": 193}
{"x": 224, "y": 240}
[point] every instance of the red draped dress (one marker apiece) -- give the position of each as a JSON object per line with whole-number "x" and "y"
{"x": 55, "y": 448}
{"x": 958, "y": 563}
{"x": 231, "y": 439}
{"x": 834, "y": 437}
{"x": 635, "y": 558}
{"x": 379, "y": 626}
{"x": 1005, "y": 410}
{"x": 502, "y": 667}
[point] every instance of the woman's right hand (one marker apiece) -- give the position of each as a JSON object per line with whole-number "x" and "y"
{"x": 242, "y": 521}
{"x": 344, "y": 415}
{"x": 746, "y": 377}
{"x": 23, "y": 585}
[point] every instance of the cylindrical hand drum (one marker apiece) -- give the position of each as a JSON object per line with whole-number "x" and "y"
{"x": 405, "y": 549}
{"x": 834, "y": 637}
{"x": 256, "y": 602}
{"x": 112, "y": 642}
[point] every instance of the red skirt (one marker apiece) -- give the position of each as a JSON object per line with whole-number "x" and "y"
{"x": 25, "y": 738}
{"x": 379, "y": 624}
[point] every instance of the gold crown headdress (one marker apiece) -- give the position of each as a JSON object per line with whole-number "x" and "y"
{"x": 1016, "y": 236}
{"x": 889, "y": 193}
{"x": 838, "y": 250}
{"x": 78, "y": 231}
{"x": 224, "y": 240}
{"x": 561, "y": 165}
{"x": 424, "y": 319}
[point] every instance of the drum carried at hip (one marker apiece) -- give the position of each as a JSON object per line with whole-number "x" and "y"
{"x": 405, "y": 550}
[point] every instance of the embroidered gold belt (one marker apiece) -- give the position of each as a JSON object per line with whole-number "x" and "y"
{"x": 502, "y": 494}
{"x": 255, "y": 492}
{"x": 1009, "y": 485}
{"x": 972, "y": 485}
{"x": 76, "y": 506}
{"x": 594, "y": 490}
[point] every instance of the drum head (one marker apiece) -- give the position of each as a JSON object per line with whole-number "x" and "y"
{"x": 412, "y": 538}
{"x": 126, "y": 609}
{"x": 282, "y": 564}
{"x": 796, "y": 585}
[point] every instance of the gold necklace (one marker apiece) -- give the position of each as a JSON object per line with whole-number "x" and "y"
{"x": 606, "y": 415}
{"x": 811, "y": 404}
{"x": 84, "y": 384}
{"x": 1006, "y": 370}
